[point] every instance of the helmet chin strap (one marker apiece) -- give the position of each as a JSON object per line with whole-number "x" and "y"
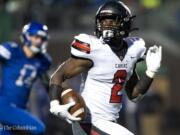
{"x": 34, "y": 49}
{"x": 114, "y": 42}
{"x": 44, "y": 47}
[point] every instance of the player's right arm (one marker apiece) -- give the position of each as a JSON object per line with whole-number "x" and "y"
{"x": 67, "y": 70}
{"x": 79, "y": 61}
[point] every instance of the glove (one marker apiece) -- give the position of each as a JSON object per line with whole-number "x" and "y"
{"x": 62, "y": 111}
{"x": 153, "y": 60}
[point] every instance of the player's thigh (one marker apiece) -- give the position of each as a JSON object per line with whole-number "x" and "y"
{"x": 21, "y": 118}
{"x": 4, "y": 132}
{"x": 111, "y": 128}
{"x": 33, "y": 124}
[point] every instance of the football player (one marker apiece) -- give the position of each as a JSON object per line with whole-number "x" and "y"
{"x": 21, "y": 65}
{"x": 110, "y": 58}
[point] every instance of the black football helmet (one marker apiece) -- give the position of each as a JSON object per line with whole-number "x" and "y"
{"x": 120, "y": 13}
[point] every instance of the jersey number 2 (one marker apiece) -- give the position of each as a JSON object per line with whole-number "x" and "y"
{"x": 119, "y": 80}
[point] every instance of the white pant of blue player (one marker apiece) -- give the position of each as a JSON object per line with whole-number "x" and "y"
{"x": 100, "y": 127}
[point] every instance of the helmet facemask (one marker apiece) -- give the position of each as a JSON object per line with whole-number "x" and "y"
{"x": 111, "y": 27}
{"x": 37, "y": 47}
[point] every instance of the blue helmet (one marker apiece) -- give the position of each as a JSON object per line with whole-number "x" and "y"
{"x": 35, "y": 29}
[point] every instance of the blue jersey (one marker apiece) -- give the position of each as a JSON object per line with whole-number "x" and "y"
{"x": 19, "y": 72}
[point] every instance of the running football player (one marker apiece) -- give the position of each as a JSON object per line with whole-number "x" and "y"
{"x": 21, "y": 66}
{"x": 110, "y": 58}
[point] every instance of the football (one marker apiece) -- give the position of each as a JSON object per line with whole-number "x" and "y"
{"x": 79, "y": 109}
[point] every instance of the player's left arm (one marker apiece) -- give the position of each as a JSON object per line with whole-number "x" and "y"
{"x": 45, "y": 80}
{"x": 46, "y": 62}
{"x": 135, "y": 87}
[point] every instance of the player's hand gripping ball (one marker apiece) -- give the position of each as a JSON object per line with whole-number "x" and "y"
{"x": 79, "y": 109}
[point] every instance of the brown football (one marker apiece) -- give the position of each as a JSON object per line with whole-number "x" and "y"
{"x": 79, "y": 109}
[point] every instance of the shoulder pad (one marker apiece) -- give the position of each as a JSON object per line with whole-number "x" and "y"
{"x": 82, "y": 43}
{"x": 10, "y": 44}
{"x": 137, "y": 45}
{"x": 85, "y": 38}
{"x": 7, "y": 48}
{"x": 135, "y": 41}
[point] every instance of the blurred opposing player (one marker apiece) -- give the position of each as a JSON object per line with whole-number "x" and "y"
{"x": 110, "y": 58}
{"x": 21, "y": 66}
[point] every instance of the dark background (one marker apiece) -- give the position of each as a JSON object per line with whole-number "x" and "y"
{"x": 159, "y": 112}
